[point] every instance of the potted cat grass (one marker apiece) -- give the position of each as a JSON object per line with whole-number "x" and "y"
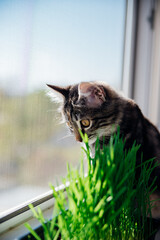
{"x": 107, "y": 203}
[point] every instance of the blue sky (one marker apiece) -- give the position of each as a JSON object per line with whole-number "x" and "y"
{"x": 60, "y": 42}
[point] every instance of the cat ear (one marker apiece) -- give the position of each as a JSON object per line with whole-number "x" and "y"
{"x": 60, "y": 92}
{"x": 93, "y": 94}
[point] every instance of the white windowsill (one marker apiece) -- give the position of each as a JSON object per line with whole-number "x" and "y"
{"x": 12, "y": 221}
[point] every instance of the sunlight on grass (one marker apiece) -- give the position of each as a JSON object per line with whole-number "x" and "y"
{"x": 107, "y": 203}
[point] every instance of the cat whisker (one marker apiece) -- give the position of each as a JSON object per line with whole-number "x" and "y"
{"x": 67, "y": 136}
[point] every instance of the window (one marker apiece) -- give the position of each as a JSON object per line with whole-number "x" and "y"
{"x": 154, "y": 108}
{"x": 146, "y": 79}
{"x": 64, "y": 42}
{"x": 59, "y": 42}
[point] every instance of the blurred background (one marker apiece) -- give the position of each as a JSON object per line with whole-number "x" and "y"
{"x": 57, "y": 42}
{"x": 65, "y": 42}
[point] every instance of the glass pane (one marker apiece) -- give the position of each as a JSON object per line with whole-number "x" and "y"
{"x": 59, "y": 42}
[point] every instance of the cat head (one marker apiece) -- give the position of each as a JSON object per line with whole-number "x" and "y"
{"x": 91, "y": 107}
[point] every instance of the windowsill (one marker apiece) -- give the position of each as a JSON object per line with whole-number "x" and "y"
{"x": 12, "y": 221}
{"x": 20, "y": 230}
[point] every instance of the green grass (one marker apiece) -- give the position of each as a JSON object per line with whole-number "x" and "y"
{"x": 107, "y": 203}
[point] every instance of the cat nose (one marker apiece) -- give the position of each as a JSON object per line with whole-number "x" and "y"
{"x": 78, "y": 137}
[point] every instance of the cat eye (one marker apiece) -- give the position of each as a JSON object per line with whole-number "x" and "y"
{"x": 85, "y": 123}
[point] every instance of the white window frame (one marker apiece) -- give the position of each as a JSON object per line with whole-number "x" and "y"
{"x": 146, "y": 76}
{"x": 154, "y": 95}
{"x": 12, "y": 222}
{"x": 129, "y": 48}
{"x": 143, "y": 52}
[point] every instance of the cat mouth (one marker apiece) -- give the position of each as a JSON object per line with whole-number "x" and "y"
{"x": 78, "y": 137}
{"x": 91, "y": 140}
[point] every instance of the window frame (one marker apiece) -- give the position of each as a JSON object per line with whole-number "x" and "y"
{"x": 146, "y": 70}
{"x": 154, "y": 95}
{"x": 12, "y": 222}
{"x": 129, "y": 47}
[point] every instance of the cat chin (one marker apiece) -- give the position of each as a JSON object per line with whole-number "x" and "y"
{"x": 92, "y": 141}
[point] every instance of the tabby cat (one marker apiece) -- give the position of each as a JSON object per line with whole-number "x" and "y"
{"x": 98, "y": 110}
